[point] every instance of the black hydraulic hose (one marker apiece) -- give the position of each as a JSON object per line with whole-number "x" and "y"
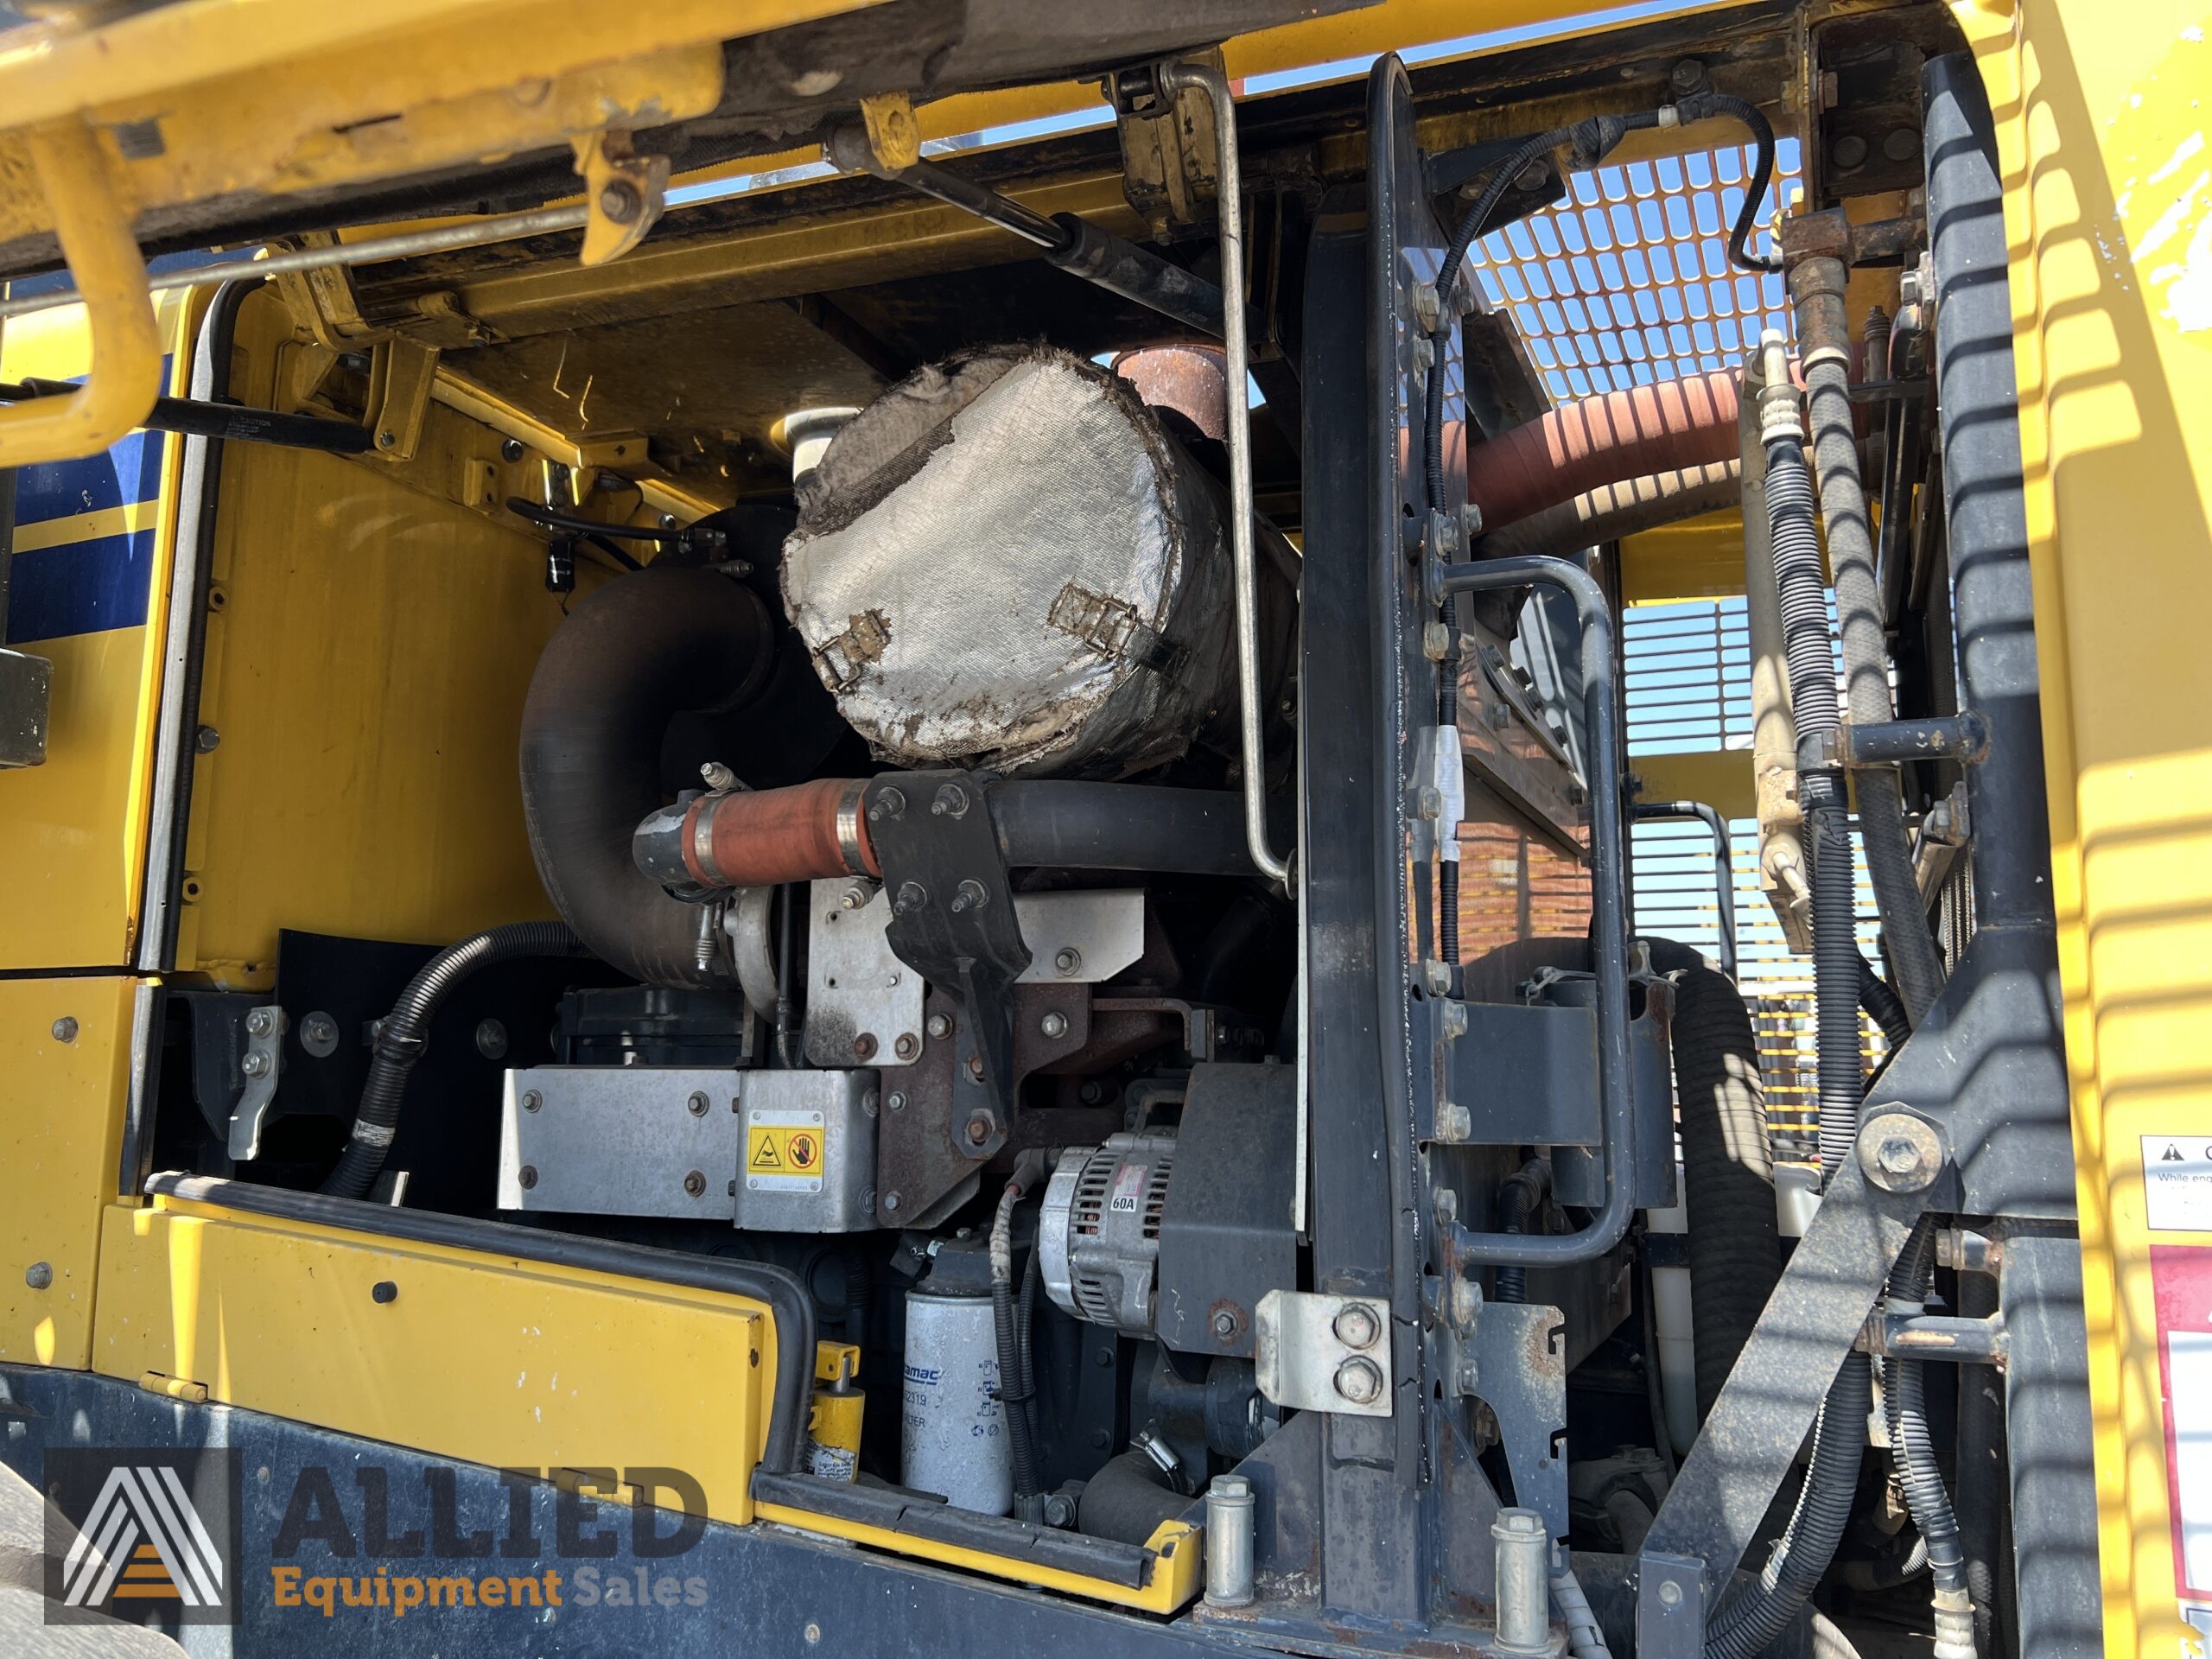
{"x": 576, "y": 525}
{"x": 1754, "y": 1612}
{"x": 629, "y": 659}
{"x": 1012, "y": 1396}
{"x": 219, "y": 418}
{"x": 1882, "y": 1005}
{"x": 1124, "y": 1501}
{"x": 1735, "y": 1249}
{"x": 1518, "y": 1200}
{"x": 778, "y": 1288}
{"x": 1698, "y": 107}
{"x": 402, "y": 1033}
{"x": 1820, "y": 791}
{"x": 1816, "y": 286}
{"x": 1904, "y": 1398}
{"x": 1024, "y": 1326}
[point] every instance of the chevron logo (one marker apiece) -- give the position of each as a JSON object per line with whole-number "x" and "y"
{"x": 146, "y": 1526}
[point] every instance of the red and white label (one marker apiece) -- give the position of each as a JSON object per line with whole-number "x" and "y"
{"x": 1128, "y": 1189}
{"x": 2181, "y": 1279}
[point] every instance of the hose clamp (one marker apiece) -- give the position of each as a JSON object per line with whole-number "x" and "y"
{"x": 373, "y": 1135}
{"x": 851, "y": 847}
{"x": 702, "y": 840}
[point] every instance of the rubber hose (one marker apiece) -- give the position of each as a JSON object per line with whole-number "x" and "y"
{"x": 1910, "y": 947}
{"x": 1519, "y": 1198}
{"x": 402, "y": 1034}
{"x": 1806, "y": 643}
{"x": 639, "y": 651}
{"x": 1755, "y": 1611}
{"x": 1699, "y": 107}
{"x": 1626, "y": 507}
{"x": 1904, "y": 1395}
{"x": 1025, "y": 1327}
{"x": 1982, "y": 1481}
{"x": 1882, "y": 1005}
{"x": 1124, "y": 1501}
{"x": 1735, "y": 1251}
{"x": 1012, "y": 1396}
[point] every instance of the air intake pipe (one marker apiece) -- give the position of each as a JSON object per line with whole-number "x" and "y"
{"x": 639, "y": 652}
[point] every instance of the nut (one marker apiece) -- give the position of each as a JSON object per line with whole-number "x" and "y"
{"x": 1453, "y": 1121}
{"x": 1355, "y": 1326}
{"x": 526, "y": 1177}
{"x": 1054, "y": 1025}
{"x": 970, "y": 896}
{"x": 1068, "y": 961}
{"x": 620, "y": 201}
{"x": 697, "y": 1104}
{"x": 254, "y": 1065}
{"x": 1224, "y": 1324}
{"x": 890, "y": 802}
{"x": 1360, "y": 1381}
{"x": 907, "y": 1045}
{"x": 895, "y": 1101}
{"x": 854, "y": 897}
{"x": 951, "y": 802}
{"x": 261, "y": 1023}
{"x": 912, "y": 896}
{"x": 694, "y": 1183}
{"x": 532, "y": 1100}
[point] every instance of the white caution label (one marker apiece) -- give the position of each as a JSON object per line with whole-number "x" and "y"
{"x": 2177, "y": 1183}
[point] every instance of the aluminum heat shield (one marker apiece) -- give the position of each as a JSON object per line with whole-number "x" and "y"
{"x": 1006, "y": 563}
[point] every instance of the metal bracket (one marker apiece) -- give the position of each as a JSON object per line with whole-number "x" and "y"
{"x": 401, "y": 374}
{"x": 1514, "y": 1360}
{"x": 264, "y": 1057}
{"x": 953, "y": 920}
{"x": 894, "y": 137}
{"x": 624, "y": 192}
{"x": 1963, "y": 737}
{"x": 1324, "y": 1353}
{"x": 1170, "y": 168}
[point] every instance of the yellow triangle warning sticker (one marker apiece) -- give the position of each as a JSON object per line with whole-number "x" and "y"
{"x": 766, "y": 1155}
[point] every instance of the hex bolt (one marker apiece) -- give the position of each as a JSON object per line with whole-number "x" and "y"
{"x": 907, "y": 1045}
{"x": 1454, "y": 1122}
{"x": 1355, "y": 1326}
{"x": 1054, "y": 1025}
{"x": 939, "y": 1026}
{"x": 260, "y": 1023}
{"x": 65, "y": 1030}
{"x": 697, "y": 1104}
{"x": 716, "y": 776}
{"x": 890, "y": 802}
{"x": 1059, "y": 1509}
{"x": 510, "y": 450}
{"x": 1224, "y": 1324}
{"x": 912, "y": 895}
{"x": 895, "y": 1101}
{"x": 526, "y": 1177}
{"x": 39, "y": 1275}
{"x": 206, "y": 740}
{"x": 254, "y": 1065}
{"x": 319, "y": 1035}
{"x": 890, "y": 1204}
{"x": 1898, "y": 1156}
{"x": 951, "y": 802}
{"x": 619, "y": 201}
{"x": 864, "y": 1045}
{"x": 1068, "y": 961}
{"x": 694, "y": 1183}
{"x": 1686, "y": 77}
{"x": 492, "y": 1039}
{"x": 975, "y": 1067}
{"x": 1359, "y": 1380}
{"x": 1436, "y": 641}
{"x": 979, "y": 1129}
{"x": 532, "y": 1100}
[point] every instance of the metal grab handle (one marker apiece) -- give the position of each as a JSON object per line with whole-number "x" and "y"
{"x": 1723, "y": 853}
{"x": 1609, "y": 911}
{"x": 124, "y": 375}
{"x": 1174, "y": 78}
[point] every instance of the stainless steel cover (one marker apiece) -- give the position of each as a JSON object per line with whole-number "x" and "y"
{"x": 1005, "y": 562}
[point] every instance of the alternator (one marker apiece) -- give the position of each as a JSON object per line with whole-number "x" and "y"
{"x": 1098, "y": 1238}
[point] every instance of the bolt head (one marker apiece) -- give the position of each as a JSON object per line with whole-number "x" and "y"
{"x": 1671, "y": 1593}
{"x": 895, "y": 1101}
{"x": 254, "y": 1065}
{"x": 907, "y": 1045}
{"x": 1359, "y": 1380}
{"x": 39, "y": 1275}
{"x": 939, "y": 1026}
{"x": 1054, "y": 1025}
{"x": 261, "y": 1023}
{"x": 1068, "y": 961}
{"x": 697, "y": 1104}
{"x": 384, "y": 1292}
{"x": 620, "y": 201}
{"x": 526, "y": 1177}
{"x": 1224, "y": 1324}
{"x": 65, "y": 1030}
{"x": 1355, "y": 1326}
{"x": 510, "y": 450}
{"x": 206, "y": 740}
{"x": 864, "y": 1045}
{"x": 532, "y": 1100}
{"x": 1898, "y": 1156}
{"x": 890, "y": 1204}
{"x": 694, "y": 1183}
{"x": 975, "y": 1066}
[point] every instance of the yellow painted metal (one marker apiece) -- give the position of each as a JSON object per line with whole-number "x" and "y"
{"x": 275, "y": 96}
{"x": 72, "y": 831}
{"x": 483, "y": 1357}
{"x": 126, "y": 348}
{"x": 370, "y": 642}
{"x": 2101, "y": 133}
{"x": 62, "y": 1099}
{"x": 1720, "y": 778}
{"x": 1177, "y": 1569}
{"x": 1696, "y": 558}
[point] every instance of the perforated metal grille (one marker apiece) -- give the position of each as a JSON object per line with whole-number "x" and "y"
{"x": 1628, "y": 281}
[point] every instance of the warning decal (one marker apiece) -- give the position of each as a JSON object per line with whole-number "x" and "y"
{"x": 783, "y": 1156}
{"x": 2177, "y": 1183}
{"x": 2181, "y": 1279}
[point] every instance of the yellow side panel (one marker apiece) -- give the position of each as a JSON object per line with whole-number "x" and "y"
{"x": 1696, "y": 558}
{"x": 479, "y": 1358}
{"x": 369, "y": 646}
{"x": 89, "y": 593}
{"x": 1720, "y": 778}
{"x": 2102, "y": 117}
{"x": 61, "y": 1128}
